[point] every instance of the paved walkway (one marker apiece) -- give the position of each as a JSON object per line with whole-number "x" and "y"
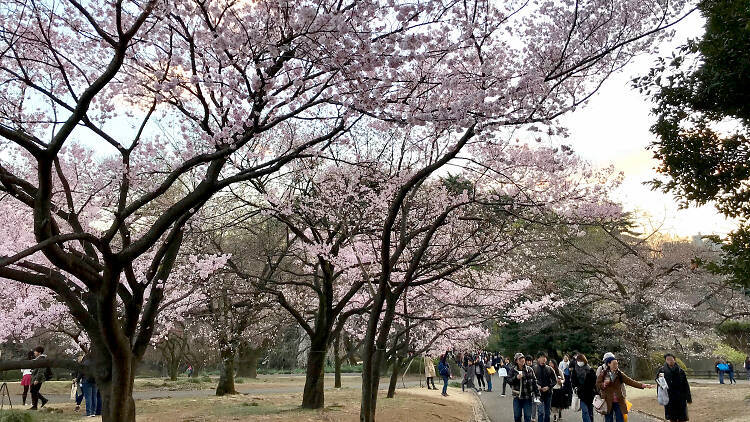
{"x": 500, "y": 409}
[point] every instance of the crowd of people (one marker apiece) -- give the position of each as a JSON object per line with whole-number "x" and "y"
{"x": 83, "y": 387}
{"x": 542, "y": 388}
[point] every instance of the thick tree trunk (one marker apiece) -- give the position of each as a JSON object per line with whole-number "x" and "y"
{"x": 394, "y": 377}
{"x": 313, "y": 395}
{"x": 114, "y": 377}
{"x": 247, "y": 365}
{"x": 337, "y": 362}
{"x": 374, "y": 344}
{"x": 173, "y": 368}
{"x": 226, "y": 376}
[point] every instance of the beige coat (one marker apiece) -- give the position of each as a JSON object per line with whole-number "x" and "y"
{"x": 429, "y": 367}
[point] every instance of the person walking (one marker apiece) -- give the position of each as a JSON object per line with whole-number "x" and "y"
{"x": 730, "y": 372}
{"x": 468, "y": 368}
{"x": 524, "y": 388}
{"x": 678, "y": 390}
{"x": 610, "y": 383}
{"x": 429, "y": 371}
{"x": 445, "y": 372}
{"x": 560, "y": 393}
{"x": 546, "y": 379}
{"x": 26, "y": 378}
{"x": 507, "y": 365}
{"x": 747, "y": 367}
{"x": 583, "y": 380}
{"x": 38, "y": 377}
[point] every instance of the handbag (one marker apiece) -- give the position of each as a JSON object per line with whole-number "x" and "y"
{"x": 662, "y": 397}
{"x": 576, "y": 403}
{"x": 491, "y": 370}
{"x": 73, "y": 391}
{"x": 600, "y": 405}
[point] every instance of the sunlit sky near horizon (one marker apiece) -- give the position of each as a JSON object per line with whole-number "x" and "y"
{"x": 614, "y": 129}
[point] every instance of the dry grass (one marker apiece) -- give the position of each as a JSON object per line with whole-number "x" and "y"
{"x": 413, "y": 405}
{"x": 711, "y": 403}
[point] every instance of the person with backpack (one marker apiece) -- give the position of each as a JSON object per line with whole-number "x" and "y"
{"x": 26, "y": 378}
{"x": 444, "y": 370}
{"x": 678, "y": 390}
{"x": 583, "y": 380}
{"x": 610, "y": 383}
{"x": 546, "y": 380}
{"x": 524, "y": 388}
{"x": 721, "y": 368}
{"x": 429, "y": 371}
{"x": 38, "y": 377}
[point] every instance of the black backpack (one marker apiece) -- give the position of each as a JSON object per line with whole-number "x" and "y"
{"x": 48, "y": 374}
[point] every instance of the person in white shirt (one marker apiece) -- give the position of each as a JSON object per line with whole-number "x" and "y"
{"x": 26, "y": 378}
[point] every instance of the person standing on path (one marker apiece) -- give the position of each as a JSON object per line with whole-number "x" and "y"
{"x": 747, "y": 367}
{"x": 38, "y": 377}
{"x": 610, "y": 383}
{"x": 445, "y": 372}
{"x": 583, "y": 380}
{"x": 678, "y": 390}
{"x": 479, "y": 371}
{"x": 26, "y": 378}
{"x": 546, "y": 379}
{"x": 523, "y": 387}
{"x": 730, "y": 366}
{"x": 429, "y": 371}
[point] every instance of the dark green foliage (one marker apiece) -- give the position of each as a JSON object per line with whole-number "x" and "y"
{"x": 702, "y": 105}
{"x": 569, "y": 329}
{"x": 736, "y": 334}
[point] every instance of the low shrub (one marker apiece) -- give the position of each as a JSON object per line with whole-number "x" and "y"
{"x": 15, "y": 416}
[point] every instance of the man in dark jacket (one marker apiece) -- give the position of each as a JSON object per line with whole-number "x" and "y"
{"x": 38, "y": 377}
{"x": 546, "y": 379}
{"x": 678, "y": 390}
{"x": 524, "y": 388}
{"x": 583, "y": 380}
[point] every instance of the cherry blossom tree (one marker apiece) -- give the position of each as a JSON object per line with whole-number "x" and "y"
{"x": 146, "y": 96}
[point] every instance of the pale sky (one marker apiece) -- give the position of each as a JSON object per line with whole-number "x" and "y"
{"x": 614, "y": 129}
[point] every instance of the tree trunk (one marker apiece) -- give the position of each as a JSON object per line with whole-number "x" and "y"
{"x": 394, "y": 377}
{"x": 114, "y": 377}
{"x": 247, "y": 365}
{"x": 374, "y": 344}
{"x": 337, "y": 362}
{"x": 226, "y": 377}
{"x": 313, "y": 395}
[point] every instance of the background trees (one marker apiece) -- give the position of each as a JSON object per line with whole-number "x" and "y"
{"x": 121, "y": 121}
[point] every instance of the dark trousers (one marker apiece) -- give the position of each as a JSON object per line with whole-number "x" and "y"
{"x": 25, "y": 393}
{"x": 36, "y": 395}
{"x": 544, "y": 409}
{"x": 480, "y": 380}
{"x": 445, "y": 384}
{"x": 432, "y": 380}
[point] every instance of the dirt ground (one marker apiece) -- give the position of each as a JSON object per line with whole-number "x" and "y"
{"x": 413, "y": 405}
{"x": 711, "y": 403}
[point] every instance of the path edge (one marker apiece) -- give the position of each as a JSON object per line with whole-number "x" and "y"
{"x": 478, "y": 410}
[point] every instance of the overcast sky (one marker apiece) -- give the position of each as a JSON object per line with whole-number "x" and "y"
{"x": 614, "y": 129}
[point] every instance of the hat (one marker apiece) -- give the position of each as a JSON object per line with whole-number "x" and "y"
{"x": 608, "y": 355}
{"x": 609, "y": 359}
{"x": 518, "y": 356}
